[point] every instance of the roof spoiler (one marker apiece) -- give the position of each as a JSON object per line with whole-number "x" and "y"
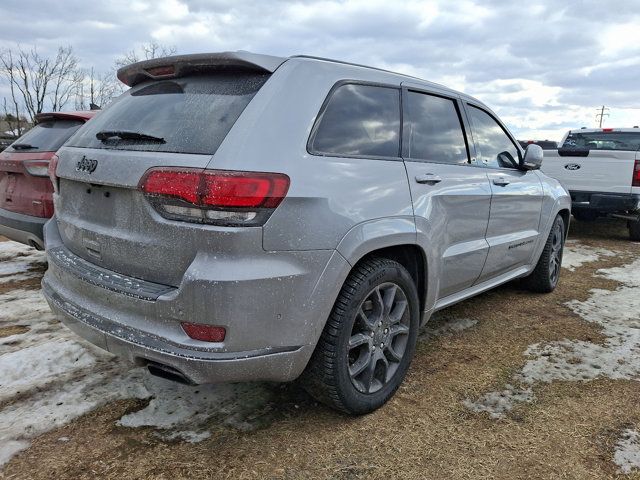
{"x": 44, "y": 117}
{"x": 181, "y": 65}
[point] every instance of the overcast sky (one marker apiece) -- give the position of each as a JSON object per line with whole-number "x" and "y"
{"x": 544, "y": 67}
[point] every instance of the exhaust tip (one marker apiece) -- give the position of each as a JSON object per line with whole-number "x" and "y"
{"x": 168, "y": 373}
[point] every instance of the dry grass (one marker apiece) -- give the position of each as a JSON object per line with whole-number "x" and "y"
{"x": 12, "y": 330}
{"x": 424, "y": 432}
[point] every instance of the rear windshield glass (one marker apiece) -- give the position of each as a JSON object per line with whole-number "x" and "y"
{"x": 184, "y": 115}
{"x": 46, "y": 136}
{"x": 629, "y": 141}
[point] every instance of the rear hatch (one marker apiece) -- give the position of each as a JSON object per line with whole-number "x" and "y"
{"x": 601, "y": 161}
{"x": 24, "y": 184}
{"x": 103, "y": 215}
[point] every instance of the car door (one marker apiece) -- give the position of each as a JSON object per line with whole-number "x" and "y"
{"x": 451, "y": 197}
{"x": 516, "y": 196}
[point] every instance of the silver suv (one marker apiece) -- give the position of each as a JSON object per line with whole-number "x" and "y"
{"x": 238, "y": 217}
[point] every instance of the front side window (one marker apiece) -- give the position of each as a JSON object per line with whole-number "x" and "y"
{"x": 359, "y": 120}
{"x": 493, "y": 146}
{"x": 434, "y": 130}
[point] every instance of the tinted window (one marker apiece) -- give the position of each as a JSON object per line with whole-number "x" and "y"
{"x": 433, "y": 129}
{"x": 46, "y": 136}
{"x": 629, "y": 141}
{"x": 360, "y": 120}
{"x": 191, "y": 114}
{"x": 493, "y": 147}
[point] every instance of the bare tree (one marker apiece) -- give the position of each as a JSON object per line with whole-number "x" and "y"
{"x": 146, "y": 51}
{"x": 38, "y": 82}
{"x": 12, "y": 117}
{"x": 97, "y": 89}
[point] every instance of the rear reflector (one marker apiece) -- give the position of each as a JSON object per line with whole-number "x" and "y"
{"x": 204, "y": 333}
{"x": 636, "y": 174}
{"x": 215, "y": 196}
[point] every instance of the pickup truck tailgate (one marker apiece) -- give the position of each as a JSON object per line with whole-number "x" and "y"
{"x": 608, "y": 171}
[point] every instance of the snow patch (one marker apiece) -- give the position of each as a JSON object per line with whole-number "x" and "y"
{"x": 618, "y": 313}
{"x": 184, "y": 412}
{"x": 16, "y": 261}
{"x": 576, "y": 254}
{"x": 627, "y": 452}
{"x": 496, "y": 404}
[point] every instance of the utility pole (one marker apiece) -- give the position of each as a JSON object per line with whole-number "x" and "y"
{"x": 602, "y": 115}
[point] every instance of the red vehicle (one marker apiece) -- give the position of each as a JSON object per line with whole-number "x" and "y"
{"x": 26, "y": 201}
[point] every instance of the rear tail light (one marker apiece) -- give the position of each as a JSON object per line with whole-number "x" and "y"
{"x": 218, "y": 197}
{"x": 37, "y": 168}
{"x": 53, "y": 164}
{"x": 636, "y": 174}
{"x": 204, "y": 333}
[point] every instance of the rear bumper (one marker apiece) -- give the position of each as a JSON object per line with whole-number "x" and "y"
{"x": 194, "y": 365}
{"x": 22, "y": 228}
{"x": 605, "y": 202}
{"x": 273, "y": 310}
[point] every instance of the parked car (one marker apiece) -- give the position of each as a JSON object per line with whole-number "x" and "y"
{"x": 238, "y": 217}
{"x": 544, "y": 144}
{"x": 25, "y": 188}
{"x": 601, "y": 169}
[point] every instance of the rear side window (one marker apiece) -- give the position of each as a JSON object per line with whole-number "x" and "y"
{"x": 434, "y": 130}
{"x": 627, "y": 141}
{"x": 47, "y": 136}
{"x": 359, "y": 120}
{"x": 493, "y": 146}
{"x": 187, "y": 115}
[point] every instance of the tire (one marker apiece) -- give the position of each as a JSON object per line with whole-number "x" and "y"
{"x": 366, "y": 347}
{"x": 585, "y": 215}
{"x": 545, "y": 276}
{"x": 634, "y": 230}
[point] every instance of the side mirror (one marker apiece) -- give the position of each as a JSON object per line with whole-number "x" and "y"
{"x": 533, "y": 156}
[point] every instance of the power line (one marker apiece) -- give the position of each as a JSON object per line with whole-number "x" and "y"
{"x": 602, "y": 115}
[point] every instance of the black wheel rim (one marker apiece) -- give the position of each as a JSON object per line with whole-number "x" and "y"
{"x": 379, "y": 337}
{"x": 555, "y": 259}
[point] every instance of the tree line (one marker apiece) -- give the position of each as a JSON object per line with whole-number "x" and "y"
{"x": 39, "y": 83}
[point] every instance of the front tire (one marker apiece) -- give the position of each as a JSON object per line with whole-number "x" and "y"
{"x": 369, "y": 340}
{"x": 546, "y": 275}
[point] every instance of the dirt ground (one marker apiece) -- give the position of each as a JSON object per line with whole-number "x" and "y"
{"x": 564, "y": 429}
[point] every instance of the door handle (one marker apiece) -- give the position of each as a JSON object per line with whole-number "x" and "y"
{"x": 501, "y": 181}
{"x": 428, "y": 178}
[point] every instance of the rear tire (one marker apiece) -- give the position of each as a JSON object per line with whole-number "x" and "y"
{"x": 634, "y": 230}
{"x": 546, "y": 275}
{"x": 368, "y": 341}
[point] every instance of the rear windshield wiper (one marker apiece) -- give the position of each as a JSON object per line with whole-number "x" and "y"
{"x": 127, "y": 135}
{"x": 22, "y": 146}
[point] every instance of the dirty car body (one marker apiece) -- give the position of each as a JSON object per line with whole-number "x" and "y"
{"x": 139, "y": 262}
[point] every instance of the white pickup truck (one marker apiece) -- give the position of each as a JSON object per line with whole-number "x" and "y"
{"x": 601, "y": 169}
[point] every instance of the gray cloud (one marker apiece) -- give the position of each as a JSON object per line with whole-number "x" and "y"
{"x": 543, "y": 66}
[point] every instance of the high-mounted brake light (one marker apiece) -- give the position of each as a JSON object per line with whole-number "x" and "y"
{"x": 218, "y": 197}
{"x": 163, "y": 71}
{"x": 636, "y": 174}
{"x": 607, "y": 129}
{"x": 53, "y": 165}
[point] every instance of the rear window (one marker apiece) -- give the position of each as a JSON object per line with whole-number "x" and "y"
{"x": 190, "y": 115}
{"x": 47, "y": 136}
{"x": 359, "y": 120}
{"x": 628, "y": 141}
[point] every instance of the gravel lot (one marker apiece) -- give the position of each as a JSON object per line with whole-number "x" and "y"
{"x": 506, "y": 385}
